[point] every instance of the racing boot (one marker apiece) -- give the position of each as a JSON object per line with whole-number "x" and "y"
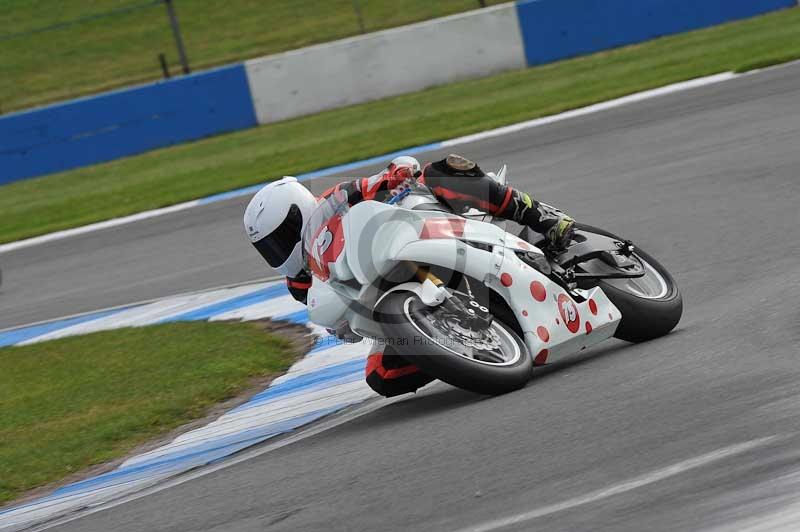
{"x": 560, "y": 234}
{"x": 557, "y": 227}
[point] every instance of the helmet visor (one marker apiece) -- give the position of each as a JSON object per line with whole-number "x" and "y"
{"x": 279, "y": 244}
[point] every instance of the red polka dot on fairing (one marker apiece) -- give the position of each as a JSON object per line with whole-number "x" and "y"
{"x": 543, "y": 333}
{"x": 506, "y": 279}
{"x": 558, "y": 321}
{"x": 588, "y": 327}
{"x": 541, "y": 358}
{"x": 610, "y": 316}
{"x": 593, "y": 307}
{"x": 538, "y": 291}
{"x": 524, "y": 312}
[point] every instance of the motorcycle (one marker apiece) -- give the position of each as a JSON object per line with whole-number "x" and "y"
{"x": 471, "y": 302}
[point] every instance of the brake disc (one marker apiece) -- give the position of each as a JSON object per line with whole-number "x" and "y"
{"x": 484, "y": 340}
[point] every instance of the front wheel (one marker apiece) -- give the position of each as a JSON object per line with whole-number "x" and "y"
{"x": 651, "y": 305}
{"x": 491, "y": 361}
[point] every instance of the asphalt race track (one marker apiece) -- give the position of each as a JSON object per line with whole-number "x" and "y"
{"x": 695, "y": 431}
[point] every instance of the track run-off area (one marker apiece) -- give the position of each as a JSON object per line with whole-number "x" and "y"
{"x": 695, "y": 431}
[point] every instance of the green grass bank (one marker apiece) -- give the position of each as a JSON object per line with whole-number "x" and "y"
{"x": 72, "y": 403}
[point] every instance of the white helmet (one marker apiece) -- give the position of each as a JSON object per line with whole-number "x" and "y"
{"x": 274, "y": 221}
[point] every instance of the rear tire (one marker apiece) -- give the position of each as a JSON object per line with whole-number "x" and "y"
{"x": 642, "y": 318}
{"x": 395, "y": 314}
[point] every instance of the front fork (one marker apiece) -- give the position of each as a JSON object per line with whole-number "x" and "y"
{"x": 476, "y": 316}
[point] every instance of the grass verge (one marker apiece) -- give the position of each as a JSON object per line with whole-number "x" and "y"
{"x": 171, "y": 175}
{"x": 71, "y": 403}
{"x": 122, "y": 48}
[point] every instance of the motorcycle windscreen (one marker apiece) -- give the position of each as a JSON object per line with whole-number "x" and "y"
{"x": 279, "y": 244}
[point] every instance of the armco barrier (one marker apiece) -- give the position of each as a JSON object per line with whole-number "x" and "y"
{"x": 125, "y": 122}
{"x": 557, "y": 29}
{"x": 386, "y": 63}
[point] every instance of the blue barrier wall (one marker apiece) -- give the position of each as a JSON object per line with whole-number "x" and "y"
{"x": 125, "y": 122}
{"x": 556, "y": 29}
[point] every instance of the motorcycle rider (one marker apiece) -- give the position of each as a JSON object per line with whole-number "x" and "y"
{"x": 275, "y": 216}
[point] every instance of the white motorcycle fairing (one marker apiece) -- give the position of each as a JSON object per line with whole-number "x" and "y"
{"x": 378, "y": 237}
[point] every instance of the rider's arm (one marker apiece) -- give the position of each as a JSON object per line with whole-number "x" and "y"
{"x": 368, "y": 188}
{"x": 374, "y": 187}
{"x": 298, "y": 286}
{"x": 357, "y": 190}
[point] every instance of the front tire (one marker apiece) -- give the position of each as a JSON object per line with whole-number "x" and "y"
{"x": 645, "y": 316}
{"x": 408, "y": 321}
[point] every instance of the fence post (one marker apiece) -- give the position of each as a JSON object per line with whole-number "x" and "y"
{"x": 359, "y": 17}
{"x": 176, "y": 32}
{"x": 164, "y": 67}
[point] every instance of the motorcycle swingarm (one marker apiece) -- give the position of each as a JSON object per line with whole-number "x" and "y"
{"x": 620, "y": 257}
{"x": 620, "y": 275}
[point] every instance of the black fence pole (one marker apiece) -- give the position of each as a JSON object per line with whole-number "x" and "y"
{"x": 359, "y": 16}
{"x": 164, "y": 67}
{"x": 176, "y": 31}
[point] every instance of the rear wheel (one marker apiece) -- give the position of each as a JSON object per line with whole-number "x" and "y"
{"x": 651, "y": 305}
{"x": 492, "y": 360}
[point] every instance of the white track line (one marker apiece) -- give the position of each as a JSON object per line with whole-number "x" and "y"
{"x": 506, "y": 130}
{"x": 623, "y": 487}
{"x": 114, "y": 222}
{"x": 317, "y": 427}
{"x": 261, "y": 280}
